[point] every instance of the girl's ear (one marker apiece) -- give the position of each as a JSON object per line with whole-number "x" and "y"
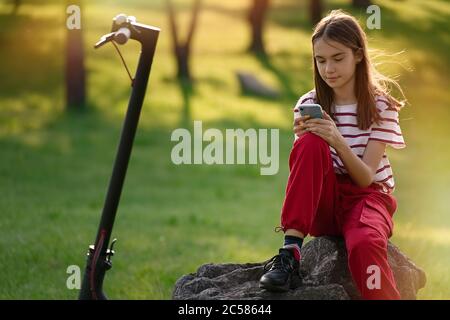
{"x": 359, "y": 55}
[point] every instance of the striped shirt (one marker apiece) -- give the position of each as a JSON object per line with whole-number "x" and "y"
{"x": 387, "y": 131}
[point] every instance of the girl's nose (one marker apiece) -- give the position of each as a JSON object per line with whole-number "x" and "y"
{"x": 329, "y": 68}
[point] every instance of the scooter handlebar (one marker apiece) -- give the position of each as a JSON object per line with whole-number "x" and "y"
{"x": 123, "y": 22}
{"x": 124, "y": 28}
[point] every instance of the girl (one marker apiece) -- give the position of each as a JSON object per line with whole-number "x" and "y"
{"x": 340, "y": 180}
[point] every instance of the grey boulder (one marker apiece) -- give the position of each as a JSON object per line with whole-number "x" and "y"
{"x": 323, "y": 272}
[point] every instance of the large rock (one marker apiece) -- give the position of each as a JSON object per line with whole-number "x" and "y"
{"x": 323, "y": 272}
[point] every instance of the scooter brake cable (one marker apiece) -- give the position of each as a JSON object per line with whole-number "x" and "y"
{"x": 123, "y": 61}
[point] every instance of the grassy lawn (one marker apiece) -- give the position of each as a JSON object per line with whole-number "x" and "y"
{"x": 55, "y": 166}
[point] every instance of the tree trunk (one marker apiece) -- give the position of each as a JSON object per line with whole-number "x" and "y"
{"x": 315, "y": 10}
{"x": 182, "y": 50}
{"x": 182, "y": 55}
{"x": 361, "y": 3}
{"x": 256, "y": 17}
{"x": 16, "y": 5}
{"x": 75, "y": 73}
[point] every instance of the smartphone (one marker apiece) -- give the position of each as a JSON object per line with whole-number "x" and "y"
{"x": 313, "y": 110}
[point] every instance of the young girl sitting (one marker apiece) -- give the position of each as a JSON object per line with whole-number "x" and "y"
{"x": 340, "y": 180}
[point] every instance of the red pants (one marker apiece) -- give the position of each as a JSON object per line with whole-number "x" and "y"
{"x": 319, "y": 202}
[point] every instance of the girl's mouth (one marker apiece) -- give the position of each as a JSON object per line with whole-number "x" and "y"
{"x": 332, "y": 79}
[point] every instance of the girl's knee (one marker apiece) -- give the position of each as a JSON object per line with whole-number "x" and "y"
{"x": 310, "y": 137}
{"x": 310, "y": 141}
{"x": 309, "y": 145}
{"x": 364, "y": 239}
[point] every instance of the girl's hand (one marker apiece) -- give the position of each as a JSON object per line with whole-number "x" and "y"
{"x": 299, "y": 125}
{"x": 326, "y": 129}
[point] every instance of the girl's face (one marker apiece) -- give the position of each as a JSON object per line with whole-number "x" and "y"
{"x": 336, "y": 63}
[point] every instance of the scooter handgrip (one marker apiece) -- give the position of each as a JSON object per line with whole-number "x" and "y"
{"x": 122, "y": 35}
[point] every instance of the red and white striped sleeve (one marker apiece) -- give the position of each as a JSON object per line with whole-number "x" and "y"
{"x": 388, "y": 130}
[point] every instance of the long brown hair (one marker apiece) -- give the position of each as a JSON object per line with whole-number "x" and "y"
{"x": 369, "y": 83}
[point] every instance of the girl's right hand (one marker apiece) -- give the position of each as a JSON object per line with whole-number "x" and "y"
{"x": 299, "y": 128}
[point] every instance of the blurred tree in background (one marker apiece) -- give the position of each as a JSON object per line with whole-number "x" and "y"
{"x": 16, "y": 5}
{"x": 257, "y": 16}
{"x": 182, "y": 50}
{"x": 361, "y": 3}
{"x": 74, "y": 68}
{"x": 315, "y": 10}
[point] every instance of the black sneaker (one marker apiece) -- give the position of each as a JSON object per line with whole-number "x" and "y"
{"x": 281, "y": 273}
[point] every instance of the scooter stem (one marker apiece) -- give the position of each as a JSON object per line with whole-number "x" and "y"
{"x": 99, "y": 256}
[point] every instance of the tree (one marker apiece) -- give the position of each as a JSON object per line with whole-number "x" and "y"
{"x": 16, "y": 4}
{"x": 257, "y": 17}
{"x": 361, "y": 3}
{"x": 182, "y": 50}
{"x": 315, "y": 10}
{"x": 75, "y": 73}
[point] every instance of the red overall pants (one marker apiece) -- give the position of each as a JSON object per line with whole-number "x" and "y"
{"x": 319, "y": 202}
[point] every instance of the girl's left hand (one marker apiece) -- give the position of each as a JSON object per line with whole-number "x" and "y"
{"x": 326, "y": 129}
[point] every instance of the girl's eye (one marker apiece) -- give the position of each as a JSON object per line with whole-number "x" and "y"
{"x": 338, "y": 59}
{"x": 320, "y": 61}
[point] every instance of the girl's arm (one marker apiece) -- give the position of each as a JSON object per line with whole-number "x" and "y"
{"x": 362, "y": 171}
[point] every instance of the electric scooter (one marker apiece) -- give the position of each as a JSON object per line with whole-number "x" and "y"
{"x": 99, "y": 255}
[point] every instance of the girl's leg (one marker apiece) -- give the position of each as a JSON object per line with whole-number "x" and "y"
{"x": 367, "y": 228}
{"x": 308, "y": 207}
{"x": 311, "y": 199}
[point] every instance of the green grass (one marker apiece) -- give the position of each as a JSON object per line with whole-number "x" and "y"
{"x": 55, "y": 166}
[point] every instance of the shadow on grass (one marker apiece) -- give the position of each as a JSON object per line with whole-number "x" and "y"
{"x": 187, "y": 91}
